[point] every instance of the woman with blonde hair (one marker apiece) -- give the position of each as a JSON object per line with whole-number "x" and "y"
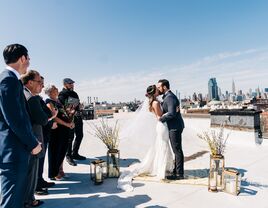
{"x": 59, "y": 136}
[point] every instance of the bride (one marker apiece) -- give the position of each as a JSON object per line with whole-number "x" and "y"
{"x": 159, "y": 158}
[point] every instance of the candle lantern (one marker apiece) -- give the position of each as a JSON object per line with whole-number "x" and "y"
{"x": 97, "y": 171}
{"x": 113, "y": 166}
{"x": 215, "y": 178}
{"x": 231, "y": 181}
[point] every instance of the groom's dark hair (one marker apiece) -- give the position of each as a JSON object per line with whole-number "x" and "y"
{"x": 164, "y": 82}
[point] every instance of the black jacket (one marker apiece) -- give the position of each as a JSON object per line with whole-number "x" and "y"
{"x": 171, "y": 113}
{"x": 65, "y": 94}
{"x": 38, "y": 117}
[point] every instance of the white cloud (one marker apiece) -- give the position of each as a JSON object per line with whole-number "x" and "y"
{"x": 248, "y": 68}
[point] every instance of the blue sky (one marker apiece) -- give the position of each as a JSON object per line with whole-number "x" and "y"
{"x": 114, "y": 49}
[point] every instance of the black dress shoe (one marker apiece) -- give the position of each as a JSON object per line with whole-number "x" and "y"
{"x": 46, "y": 184}
{"x": 37, "y": 203}
{"x": 41, "y": 191}
{"x": 70, "y": 161}
{"x": 175, "y": 177}
{"x": 78, "y": 157}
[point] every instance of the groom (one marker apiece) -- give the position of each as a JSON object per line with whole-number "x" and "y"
{"x": 171, "y": 115}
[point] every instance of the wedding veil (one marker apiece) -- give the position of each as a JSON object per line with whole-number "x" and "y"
{"x": 138, "y": 133}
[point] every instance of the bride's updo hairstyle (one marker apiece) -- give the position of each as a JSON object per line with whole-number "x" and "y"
{"x": 150, "y": 94}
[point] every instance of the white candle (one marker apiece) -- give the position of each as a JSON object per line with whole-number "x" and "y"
{"x": 219, "y": 180}
{"x": 227, "y": 187}
{"x": 215, "y": 174}
{"x": 232, "y": 187}
{"x": 213, "y": 184}
{"x": 117, "y": 172}
{"x": 98, "y": 174}
{"x": 111, "y": 170}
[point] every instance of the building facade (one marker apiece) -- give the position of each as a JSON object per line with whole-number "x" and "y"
{"x": 213, "y": 89}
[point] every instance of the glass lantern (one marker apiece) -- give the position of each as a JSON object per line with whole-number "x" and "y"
{"x": 231, "y": 181}
{"x": 215, "y": 178}
{"x": 97, "y": 171}
{"x": 113, "y": 167}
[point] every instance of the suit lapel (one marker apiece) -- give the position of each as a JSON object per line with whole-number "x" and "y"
{"x": 164, "y": 104}
{"x": 25, "y": 100}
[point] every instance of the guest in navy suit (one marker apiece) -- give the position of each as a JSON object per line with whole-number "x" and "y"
{"x": 17, "y": 140}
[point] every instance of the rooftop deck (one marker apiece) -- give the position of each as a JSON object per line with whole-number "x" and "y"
{"x": 242, "y": 153}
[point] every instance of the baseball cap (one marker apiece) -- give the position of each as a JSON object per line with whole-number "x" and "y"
{"x": 68, "y": 81}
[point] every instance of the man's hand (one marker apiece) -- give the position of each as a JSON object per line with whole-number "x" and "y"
{"x": 72, "y": 125}
{"x": 54, "y": 125}
{"x": 55, "y": 112}
{"x": 37, "y": 149}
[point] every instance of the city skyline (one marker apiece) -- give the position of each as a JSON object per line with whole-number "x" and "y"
{"x": 114, "y": 49}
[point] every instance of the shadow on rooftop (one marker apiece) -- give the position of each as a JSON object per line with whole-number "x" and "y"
{"x": 246, "y": 186}
{"x": 195, "y": 155}
{"x": 87, "y": 161}
{"x": 248, "y": 191}
{"x": 96, "y": 201}
{"x": 196, "y": 173}
{"x": 123, "y": 162}
{"x": 80, "y": 183}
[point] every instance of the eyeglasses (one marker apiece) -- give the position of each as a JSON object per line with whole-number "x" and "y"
{"x": 39, "y": 81}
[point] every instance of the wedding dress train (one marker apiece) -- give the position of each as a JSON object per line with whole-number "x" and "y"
{"x": 157, "y": 161}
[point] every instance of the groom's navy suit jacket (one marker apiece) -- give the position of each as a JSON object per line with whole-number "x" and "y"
{"x": 171, "y": 113}
{"x": 16, "y": 136}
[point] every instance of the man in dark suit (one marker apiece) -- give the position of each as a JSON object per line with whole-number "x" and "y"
{"x": 32, "y": 87}
{"x": 17, "y": 140}
{"x": 171, "y": 115}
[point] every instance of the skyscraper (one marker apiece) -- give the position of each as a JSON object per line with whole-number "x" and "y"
{"x": 233, "y": 87}
{"x": 213, "y": 89}
{"x": 194, "y": 97}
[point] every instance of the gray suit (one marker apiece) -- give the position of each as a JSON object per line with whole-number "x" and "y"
{"x": 173, "y": 118}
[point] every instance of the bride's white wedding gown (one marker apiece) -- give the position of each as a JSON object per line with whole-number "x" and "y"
{"x": 157, "y": 161}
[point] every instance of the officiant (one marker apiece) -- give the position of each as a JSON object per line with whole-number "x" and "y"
{"x": 69, "y": 95}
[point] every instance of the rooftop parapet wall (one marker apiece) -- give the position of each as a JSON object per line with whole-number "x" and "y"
{"x": 237, "y": 119}
{"x": 264, "y": 123}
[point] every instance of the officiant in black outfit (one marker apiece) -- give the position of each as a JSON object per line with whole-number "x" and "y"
{"x": 73, "y": 148}
{"x": 172, "y": 116}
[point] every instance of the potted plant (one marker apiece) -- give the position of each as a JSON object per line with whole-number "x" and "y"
{"x": 216, "y": 143}
{"x": 110, "y": 137}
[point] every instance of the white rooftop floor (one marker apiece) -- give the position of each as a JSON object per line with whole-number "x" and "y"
{"x": 241, "y": 153}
